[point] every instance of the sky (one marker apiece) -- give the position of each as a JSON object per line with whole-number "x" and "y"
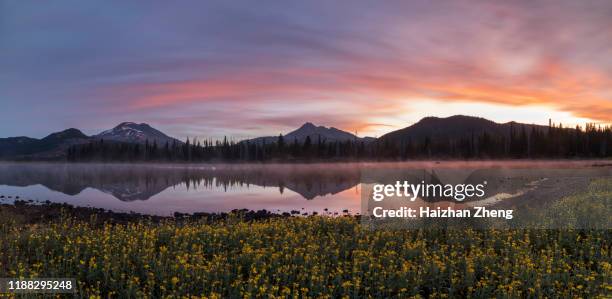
{"x": 207, "y": 69}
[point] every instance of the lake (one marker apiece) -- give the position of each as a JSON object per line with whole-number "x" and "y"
{"x": 162, "y": 189}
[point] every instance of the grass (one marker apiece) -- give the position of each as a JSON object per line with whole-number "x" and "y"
{"x": 315, "y": 256}
{"x": 306, "y": 257}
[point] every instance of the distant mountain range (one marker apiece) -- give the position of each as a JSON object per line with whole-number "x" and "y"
{"x": 55, "y": 145}
{"x": 453, "y": 127}
{"x": 314, "y": 132}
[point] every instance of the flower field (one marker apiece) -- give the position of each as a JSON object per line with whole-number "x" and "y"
{"x": 306, "y": 257}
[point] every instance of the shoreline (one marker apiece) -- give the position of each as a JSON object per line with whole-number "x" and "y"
{"x": 428, "y": 162}
{"x": 25, "y": 212}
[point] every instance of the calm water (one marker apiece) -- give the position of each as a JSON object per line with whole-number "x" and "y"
{"x": 164, "y": 189}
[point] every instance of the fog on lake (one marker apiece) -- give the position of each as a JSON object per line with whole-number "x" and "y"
{"x": 163, "y": 189}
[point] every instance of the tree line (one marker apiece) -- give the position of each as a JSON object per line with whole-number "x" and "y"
{"x": 208, "y": 150}
{"x": 520, "y": 142}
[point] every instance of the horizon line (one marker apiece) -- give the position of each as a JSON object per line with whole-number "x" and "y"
{"x": 353, "y": 132}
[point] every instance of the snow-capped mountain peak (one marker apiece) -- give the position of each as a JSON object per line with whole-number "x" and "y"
{"x": 133, "y": 132}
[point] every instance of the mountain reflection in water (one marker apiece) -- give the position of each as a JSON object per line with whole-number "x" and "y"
{"x": 140, "y": 182}
{"x": 165, "y": 188}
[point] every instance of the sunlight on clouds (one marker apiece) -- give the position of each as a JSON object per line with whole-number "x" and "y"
{"x": 416, "y": 109}
{"x": 216, "y": 69}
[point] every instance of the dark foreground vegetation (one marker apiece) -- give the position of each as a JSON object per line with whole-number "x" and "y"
{"x": 298, "y": 257}
{"x": 25, "y": 212}
{"x": 518, "y": 142}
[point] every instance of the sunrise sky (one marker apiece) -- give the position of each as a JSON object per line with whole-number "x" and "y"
{"x": 245, "y": 69}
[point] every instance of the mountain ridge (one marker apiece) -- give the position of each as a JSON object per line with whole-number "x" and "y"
{"x": 453, "y": 127}
{"x": 55, "y": 145}
{"x": 308, "y": 129}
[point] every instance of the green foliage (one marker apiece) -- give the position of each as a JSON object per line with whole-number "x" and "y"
{"x": 592, "y": 209}
{"x": 321, "y": 257}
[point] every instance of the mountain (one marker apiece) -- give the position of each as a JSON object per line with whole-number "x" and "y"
{"x": 60, "y": 137}
{"x": 135, "y": 133}
{"x": 308, "y": 129}
{"x": 55, "y": 145}
{"x": 50, "y": 147}
{"x": 453, "y": 127}
{"x": 58, "y": 143}
{"x": 15, "y": 145}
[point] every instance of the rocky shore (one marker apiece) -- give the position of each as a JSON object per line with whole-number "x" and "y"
{"x": 28, "y": 212}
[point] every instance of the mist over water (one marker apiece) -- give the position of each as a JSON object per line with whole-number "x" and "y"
{"x": 163, "y": 189}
